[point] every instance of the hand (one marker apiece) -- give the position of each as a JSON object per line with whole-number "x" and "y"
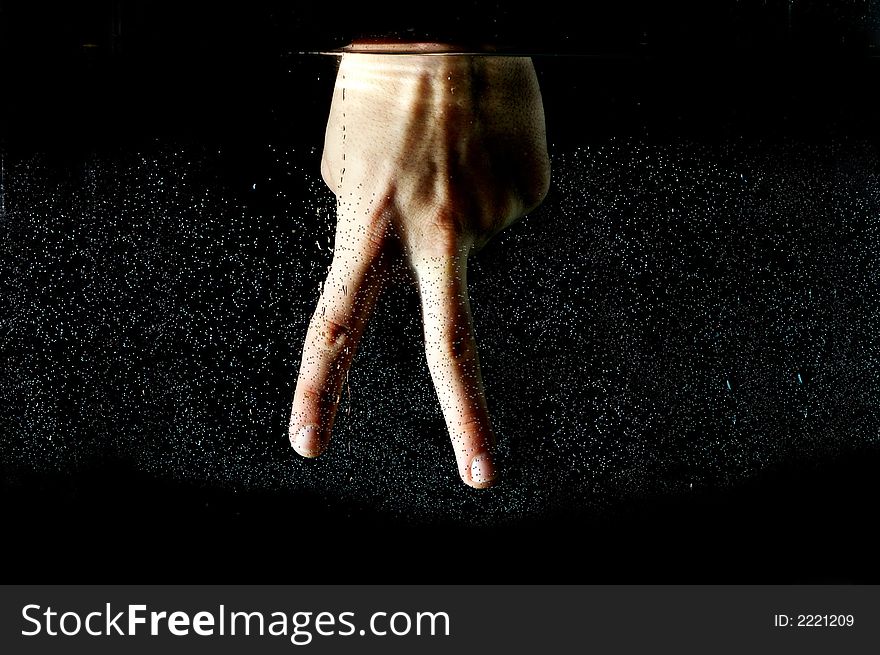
{"x": 429, "y": 156}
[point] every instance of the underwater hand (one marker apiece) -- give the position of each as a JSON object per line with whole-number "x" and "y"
{"x": 429, "y": 156}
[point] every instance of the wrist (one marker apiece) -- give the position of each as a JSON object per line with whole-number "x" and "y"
{"x": 415, "y": 47}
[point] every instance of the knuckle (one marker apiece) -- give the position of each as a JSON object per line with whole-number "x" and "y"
{"x": 451, "y": 351}
{"x": 469, "y": 428}
{"x": 314, "y": 396}
{"x": 537, "y": 190}
{"x": 441, "y": 238}
{"x": 466, "y": 421}
{"x": 534, "y": 185}
{"x": 333, "y": 337}
{"x": 317, "y": 399}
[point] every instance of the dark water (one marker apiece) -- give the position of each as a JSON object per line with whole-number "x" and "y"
{"x": 679, "y": 346}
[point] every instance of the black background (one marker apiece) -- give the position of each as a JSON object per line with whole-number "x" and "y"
{"x": 87, "y": 79}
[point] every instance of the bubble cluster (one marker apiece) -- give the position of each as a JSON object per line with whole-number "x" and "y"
{"x": 674, "y": 317}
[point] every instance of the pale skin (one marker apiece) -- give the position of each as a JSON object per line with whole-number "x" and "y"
{"x": 429, "y": 156}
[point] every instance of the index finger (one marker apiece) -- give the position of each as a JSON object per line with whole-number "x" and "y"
{"x": 349, "y": 294}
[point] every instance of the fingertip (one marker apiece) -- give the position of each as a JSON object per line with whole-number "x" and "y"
{"x": 308, "y": 441}
{"x": 482, "y": 473}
